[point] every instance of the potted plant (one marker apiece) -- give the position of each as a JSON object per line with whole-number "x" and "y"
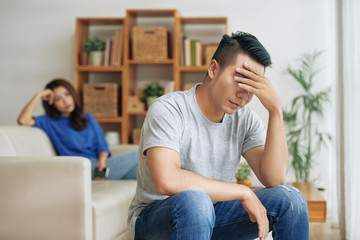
{"x": 95, "y": 47}
{"x": 243, "y": 173}
{"x": 303, "y": 135}
{"x": 152, "y": 92}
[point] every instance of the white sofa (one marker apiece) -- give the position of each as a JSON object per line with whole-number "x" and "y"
{"x": 44, "y": 196}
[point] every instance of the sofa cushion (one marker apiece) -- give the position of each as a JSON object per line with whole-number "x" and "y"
{"x": 24, "y": 141}
{"x": 110, "y": 205}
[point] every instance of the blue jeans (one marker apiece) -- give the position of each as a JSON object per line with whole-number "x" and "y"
{"x": 192, "y": 215}
{"x": 122, "y": 166}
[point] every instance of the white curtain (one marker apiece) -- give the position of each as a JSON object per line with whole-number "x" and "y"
{"x": 349, "y": 120}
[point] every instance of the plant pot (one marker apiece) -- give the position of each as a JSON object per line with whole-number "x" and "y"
{"x": 96, "y": 58}
{"x": 150, "y": 100}
{"x": 247, "y": 182}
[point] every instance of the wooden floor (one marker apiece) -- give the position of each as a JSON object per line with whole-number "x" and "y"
{"x": 322, "y": 231}
{"x": 319, "y": 231}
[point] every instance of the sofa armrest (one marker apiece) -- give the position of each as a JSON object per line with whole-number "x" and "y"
{"x": 45, "y": 198}
{"x": 117, "y": 149}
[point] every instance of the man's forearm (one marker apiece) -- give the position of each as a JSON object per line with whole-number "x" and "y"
{"x": 185, "y": 180}
{"x": 169, "y": 178}
{"x": 275, "y": 157}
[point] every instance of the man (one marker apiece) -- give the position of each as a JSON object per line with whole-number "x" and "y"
{"x": 191, "y": 145}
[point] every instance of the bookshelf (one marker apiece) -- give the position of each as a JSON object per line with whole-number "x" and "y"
{"x": 135, "y": 73}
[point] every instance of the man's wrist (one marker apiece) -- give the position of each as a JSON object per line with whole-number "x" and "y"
{"x": 244, "y": 193}
{"x": 276, "y": 111}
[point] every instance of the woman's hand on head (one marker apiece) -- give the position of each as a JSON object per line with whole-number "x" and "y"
{"x": 47, "y": 95}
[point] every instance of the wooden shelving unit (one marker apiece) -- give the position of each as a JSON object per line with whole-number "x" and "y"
{"x": 127, "y": 74}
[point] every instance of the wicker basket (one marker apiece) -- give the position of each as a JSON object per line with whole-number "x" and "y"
{"x": 149, "y": 42}
{"x": 101, "y": 100}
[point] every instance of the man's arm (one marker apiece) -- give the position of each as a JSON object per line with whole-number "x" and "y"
{"x": 268, "y": 162}
{"x": 169, "y": 179}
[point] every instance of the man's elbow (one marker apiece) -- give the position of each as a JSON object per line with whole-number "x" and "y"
{"x": 165, "y": 188}
{"x": 273, "y": 182}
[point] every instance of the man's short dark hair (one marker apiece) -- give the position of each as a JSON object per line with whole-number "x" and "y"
{"x": 241, "y": 42}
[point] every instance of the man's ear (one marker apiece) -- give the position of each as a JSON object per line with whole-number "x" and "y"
{"x": 213, "y": 68}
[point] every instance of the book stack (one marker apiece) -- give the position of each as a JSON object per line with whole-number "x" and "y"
{"x": 114, "y": 50}
{"x": 192, "y": 52}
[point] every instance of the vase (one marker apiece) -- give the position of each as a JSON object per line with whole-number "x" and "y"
{"x": 247, "y": 182}
{"x": 150, "y": 100}
{"x": 96, "y": 58}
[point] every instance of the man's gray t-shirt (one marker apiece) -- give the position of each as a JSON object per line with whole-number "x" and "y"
{"x": 210, "y": 149}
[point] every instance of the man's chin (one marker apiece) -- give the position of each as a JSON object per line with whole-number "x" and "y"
{"x": 231, "y": 111}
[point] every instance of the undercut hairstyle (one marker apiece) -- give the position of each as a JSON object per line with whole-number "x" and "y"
{"x": 77, "y": 119}
{"x": 241, "y": 42}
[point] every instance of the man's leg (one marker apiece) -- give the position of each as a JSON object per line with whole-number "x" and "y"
{"x": 187, "y": 215}
{"x": 286, "y": 209}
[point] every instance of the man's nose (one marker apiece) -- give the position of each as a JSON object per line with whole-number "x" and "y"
{"x": 243, "y": 94}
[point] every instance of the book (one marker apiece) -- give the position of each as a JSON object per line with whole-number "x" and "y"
{"x": 106, "y": 52}
{"x": 187, "y": 52}
{"x": 113, "y": 48}
{"x": 121, "y": 43}
{"x": 192, "y": 51}
{"x": 110, "y": 51}
{"x": 117, "y": 48}
{"x": 198, "y": 53}
{"x": 182, "y": 50}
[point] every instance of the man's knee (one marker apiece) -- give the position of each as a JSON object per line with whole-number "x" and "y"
{"x": 292, "y": 200}
{"x": 195, "y": 206}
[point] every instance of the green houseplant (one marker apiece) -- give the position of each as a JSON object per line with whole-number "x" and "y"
{"x": 243, "y": 173}
{"x": 152, "y": 92}
{"x": 303, "y": 135}
{"x": 95, "y": 47}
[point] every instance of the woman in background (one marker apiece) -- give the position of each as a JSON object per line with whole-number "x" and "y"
{"x": 74, "y": 133}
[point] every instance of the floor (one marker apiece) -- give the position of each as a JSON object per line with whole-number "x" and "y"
{"x": 320, "y": 231}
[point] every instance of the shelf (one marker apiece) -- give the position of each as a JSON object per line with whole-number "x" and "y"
{"x": 151, "y": 61}
{"x": 89, "y": 68}
{"x": 109, "y": 119}
{"x": 132, "y": 72}
{"x": 138, "y": 113}
{"x": 102, "y": 21}
{"x": 152, "y": 12}
{"x": 203, "y": 20}
{"x": 193, "y": 68}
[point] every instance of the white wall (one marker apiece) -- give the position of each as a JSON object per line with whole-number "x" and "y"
{"x": 37, "y": 38}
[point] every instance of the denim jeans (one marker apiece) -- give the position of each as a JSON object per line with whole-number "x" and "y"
{"x": 192, "y": 215}
{"x": 122, "y": 166}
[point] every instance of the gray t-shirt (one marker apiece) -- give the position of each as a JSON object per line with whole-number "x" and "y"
{"x": 210, "y": 149}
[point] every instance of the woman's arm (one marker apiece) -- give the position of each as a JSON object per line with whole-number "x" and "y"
{"x": 26, "y": 116}
{"x": 103, "y": 156}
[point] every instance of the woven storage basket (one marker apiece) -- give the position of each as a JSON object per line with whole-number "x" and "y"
{"x": 149, "y": 42}
{"x": 101, "y": 100}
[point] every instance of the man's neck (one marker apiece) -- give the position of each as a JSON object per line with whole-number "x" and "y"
{"x": 206, "y": 104}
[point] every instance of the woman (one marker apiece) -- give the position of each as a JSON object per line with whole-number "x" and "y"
{"x": 74, "y": 133}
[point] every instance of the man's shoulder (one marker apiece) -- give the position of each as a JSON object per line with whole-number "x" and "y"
{"x": 173, "y": 101}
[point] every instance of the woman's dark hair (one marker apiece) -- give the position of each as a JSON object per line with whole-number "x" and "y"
{"x": 241, "y": 42}
{"x": 77, "y": 119}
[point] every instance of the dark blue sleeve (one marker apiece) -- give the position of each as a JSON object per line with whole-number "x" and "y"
{"x": 100, "y": 141}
